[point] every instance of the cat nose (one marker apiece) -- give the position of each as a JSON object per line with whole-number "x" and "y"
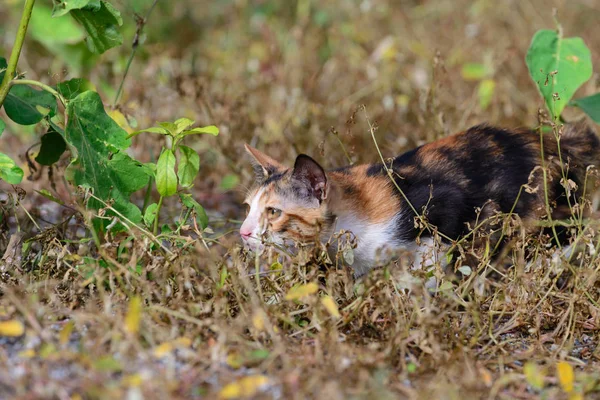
{"x": 245, "y": 233}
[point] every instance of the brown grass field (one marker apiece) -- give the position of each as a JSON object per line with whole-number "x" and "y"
{"x": 191, "y": 318}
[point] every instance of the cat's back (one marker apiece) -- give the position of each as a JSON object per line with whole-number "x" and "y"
{"x": 450, "y": 177}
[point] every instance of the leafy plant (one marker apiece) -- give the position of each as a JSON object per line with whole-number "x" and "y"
{"x": 167, "y": 180}
{"x": 96, "y": 142}
{"x": 559, "y": 66}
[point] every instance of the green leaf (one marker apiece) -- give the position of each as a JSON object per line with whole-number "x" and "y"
{"x": 150, "y": 214}
{"x": 97, "y": 143}
{"x": 189, "y": 202}
{"x": 534, "y": 375}
{"x": 2, "y": 126}
{"x": 62, "y": 37}
{"x": 107, "y": 364}
{"x": 590, "y": 105}
{"x": 558, "y": 66}
{"x": 211, "y": 130}
{"x": 166, "y": 180}
{"x": 170, "y": 127}
{"x": 445, "y": 287}
{"x": 465, "y": 270}
{"x": 27, "y": 106}
{"x": 154, "y": 129}
{"x": 9, "y": 171}
{"x": 53, "y": 146}
{"x": 62, "y": 7}
{"x": 101, "y": 25}
{"x": 189, "y": 165}
{"x": 150, "y": 169}
{"x": 485, "y": 91}
{"x": 474, "y": 71}
{"x": 74, "y": 87}
{"x": 229, "y": 182}
{"x": 183, "y": 123}
{"x": 50, "y": 196}
{"x": 52, "y": 31}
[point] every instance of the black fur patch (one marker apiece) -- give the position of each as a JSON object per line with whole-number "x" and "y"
{"x": 485, "y": 164}
{"x": 273, "y": 177}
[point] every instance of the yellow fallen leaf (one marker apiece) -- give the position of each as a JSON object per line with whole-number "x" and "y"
{"x": 566, "y": 376}
{"x": 134, "y": 380}
{"x": 167, "y": 347}
{"x": 29, "y": 353}
{"x": 47, "y": 350}
{"x": 65, "y": 333}
{"x": 534, "y": 375}
{"x": 162, "y": 349}
{"x": 244, "y": 387}
{"x": 12, "y": 328}
{"x": 331, "y": 306}
{"x": 183, "y": 342}
{"x": 258, "y": 322}
{"x": 298, "y": 292}
{"x": 486, "y": 376}
{"x": 234, "y": 360}
{"x": 134, "y": 315}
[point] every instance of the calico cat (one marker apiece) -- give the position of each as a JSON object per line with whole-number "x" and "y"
{"x": 446, "y": 181}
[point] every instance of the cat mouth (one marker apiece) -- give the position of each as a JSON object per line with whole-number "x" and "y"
{"x": 254, "y": 245}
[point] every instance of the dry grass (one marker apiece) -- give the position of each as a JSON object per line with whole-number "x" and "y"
{"x": 289, "y": 81}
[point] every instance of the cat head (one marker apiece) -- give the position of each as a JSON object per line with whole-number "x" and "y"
{"x": 286, "y": 205}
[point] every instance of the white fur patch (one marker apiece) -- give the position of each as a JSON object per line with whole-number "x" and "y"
{"x": 254, "y": 223}
{"x": 375, "y": 244}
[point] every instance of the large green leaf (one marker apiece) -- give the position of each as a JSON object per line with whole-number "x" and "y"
{"x": 590, "y": 105}
{"x": 62, "y": 37}
{"x": 166, "y": 180}
{"x": 61, "y": 7}
{"x": 97, "y": 143}
{"x": 9, "y": 171}
{"x": 189, "y": 165}
{"x": 558, "y": 66}
{"x": 102, "y": 25}
{"x": 27, "y": 106}
{"x": 73, "y": 87}
{"x": 52, "y": 31}
{"x": 53, "y": 146}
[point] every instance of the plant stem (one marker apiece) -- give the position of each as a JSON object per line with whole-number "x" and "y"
{"x": 155, "y": 230}
{"x": 134, "y": 47}
{"x": 148, "y": 194}
{"x": 16, "y": 51}
{"x": 40, "y": 85}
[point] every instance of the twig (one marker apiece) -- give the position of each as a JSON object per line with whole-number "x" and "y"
{"x": 40, "y": 85}
{"x": 134, "y": 46}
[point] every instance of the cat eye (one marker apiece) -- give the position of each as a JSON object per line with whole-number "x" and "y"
{"x": 273, "y": 212}
{"x": 247, "y": 208}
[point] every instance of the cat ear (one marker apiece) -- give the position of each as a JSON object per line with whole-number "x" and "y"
{"x": 264, "y": 166}
{"x": 311, "y": 175}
